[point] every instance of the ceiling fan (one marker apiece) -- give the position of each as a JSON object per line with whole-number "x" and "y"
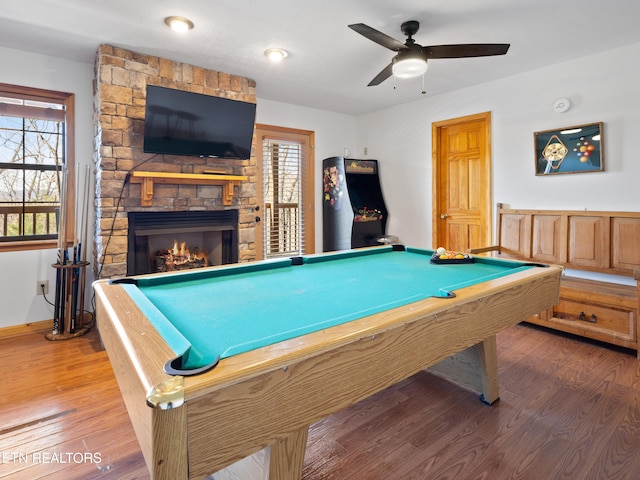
{"x": 411, "y": 58}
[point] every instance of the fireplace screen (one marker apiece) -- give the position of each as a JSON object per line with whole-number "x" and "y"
{"x": 169, "y": 241}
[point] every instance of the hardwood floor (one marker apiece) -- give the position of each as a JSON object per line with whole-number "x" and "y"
{"x": 569, "y": 409}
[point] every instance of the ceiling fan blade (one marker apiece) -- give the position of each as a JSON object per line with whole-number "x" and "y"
{"x": 466, "y": 50}
{"x": 382, "y": 76}
{"x": 378, "y": 37}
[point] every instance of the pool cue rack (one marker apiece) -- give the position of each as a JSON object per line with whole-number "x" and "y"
{"x": 68, "y": 313}
{"x": 69, "y": 305}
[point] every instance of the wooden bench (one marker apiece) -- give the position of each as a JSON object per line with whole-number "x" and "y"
{"x": 604, "y": 308}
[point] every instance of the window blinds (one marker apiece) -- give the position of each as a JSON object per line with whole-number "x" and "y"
{"x": 282, "y": 190}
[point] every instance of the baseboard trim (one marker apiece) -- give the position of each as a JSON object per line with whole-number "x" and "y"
{"x": 33, "y": 327}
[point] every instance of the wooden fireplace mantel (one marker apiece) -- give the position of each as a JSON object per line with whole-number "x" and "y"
{"x": 147, "y": 179}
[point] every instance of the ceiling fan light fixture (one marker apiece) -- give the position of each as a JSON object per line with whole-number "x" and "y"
{"x": 409, "y": 67}
{"x": 276, "y": 54}
{"x": 179, "y": 24}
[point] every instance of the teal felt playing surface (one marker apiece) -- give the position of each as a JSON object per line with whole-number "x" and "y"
{"x": 231, "y": 310}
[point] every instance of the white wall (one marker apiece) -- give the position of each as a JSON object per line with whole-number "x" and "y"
{"x": 601, "y": 87}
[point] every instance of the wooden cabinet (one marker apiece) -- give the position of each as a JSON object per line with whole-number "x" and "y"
{"x": 602, "y": 242}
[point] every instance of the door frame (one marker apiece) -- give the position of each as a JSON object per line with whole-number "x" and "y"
{"x": 308, "y": 202}
{"x": 436, "y": 153}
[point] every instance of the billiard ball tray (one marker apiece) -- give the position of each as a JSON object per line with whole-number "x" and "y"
{"x": 458, "y": 258}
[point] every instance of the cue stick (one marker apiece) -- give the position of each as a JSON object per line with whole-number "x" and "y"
{"x": 87, "y": 199}
{"x": 65, "y": 255}
{"x": 82, "y": 252}
{"x": 66, "y": 277}
{"x": 58, "y": 294}
{"x": 56, "y": 303}
{"x": 58, "y": 321}
{"x": 73, "y": 293}
{"x": 77, "y": 248}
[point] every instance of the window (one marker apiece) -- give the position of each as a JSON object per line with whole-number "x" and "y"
{"x": 36, "y": 159}
{"x": 286, "y": 161}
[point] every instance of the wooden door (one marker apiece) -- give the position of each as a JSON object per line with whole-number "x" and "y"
{"x": 462, "y": 182}
{"x": 284, "y": 226}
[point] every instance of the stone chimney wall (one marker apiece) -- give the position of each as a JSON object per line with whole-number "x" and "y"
{"x": 119, "y": 110}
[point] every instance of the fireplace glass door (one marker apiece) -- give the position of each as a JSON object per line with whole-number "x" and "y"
{"x": 170, "y": 241}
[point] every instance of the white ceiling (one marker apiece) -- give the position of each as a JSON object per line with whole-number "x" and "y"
{"x": 329, "y": 64}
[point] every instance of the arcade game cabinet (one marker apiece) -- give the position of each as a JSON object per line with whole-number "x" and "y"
{"x": 354, "y": 213}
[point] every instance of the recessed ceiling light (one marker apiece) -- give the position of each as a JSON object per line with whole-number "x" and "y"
{"x": 179, "y": 24}
{"x": 276, "y": 54}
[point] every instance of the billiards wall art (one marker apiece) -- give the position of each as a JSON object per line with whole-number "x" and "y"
{"x": 353, "y": 208}
{"x": 578, "y": 149}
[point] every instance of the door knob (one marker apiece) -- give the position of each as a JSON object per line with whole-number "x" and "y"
{"x": 443, "y": 215}
{"x": 258, "y": 219}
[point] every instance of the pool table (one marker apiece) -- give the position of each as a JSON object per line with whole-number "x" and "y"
{"x": 218, "y": 363}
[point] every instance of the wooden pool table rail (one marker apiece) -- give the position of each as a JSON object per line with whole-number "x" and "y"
{"x": 269, "y": 397}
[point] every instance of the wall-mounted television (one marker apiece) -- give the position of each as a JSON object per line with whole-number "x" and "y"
{"x": 186, "y": 123}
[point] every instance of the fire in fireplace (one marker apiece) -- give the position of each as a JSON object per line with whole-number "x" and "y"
{"x": 179, "y": 257}
{"x": 167, "y": 241}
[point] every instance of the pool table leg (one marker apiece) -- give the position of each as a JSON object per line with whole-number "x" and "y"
{"x": 287, "y": 456}
{"x": 475, "y": 368}
{"x": 488, "y": 363}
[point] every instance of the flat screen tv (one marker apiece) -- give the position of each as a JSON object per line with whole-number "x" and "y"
{"x": 186, "y": 123}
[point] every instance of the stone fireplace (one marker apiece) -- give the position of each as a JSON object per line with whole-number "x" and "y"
{"x": 119, "y": 109}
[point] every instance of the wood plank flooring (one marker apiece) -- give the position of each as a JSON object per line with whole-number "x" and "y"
{"x": 569, "y": 409}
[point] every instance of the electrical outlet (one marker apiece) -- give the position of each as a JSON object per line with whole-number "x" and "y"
{"x": 42, "y": 287}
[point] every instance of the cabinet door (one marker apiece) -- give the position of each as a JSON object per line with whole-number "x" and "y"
{"x": 589, "y": 241}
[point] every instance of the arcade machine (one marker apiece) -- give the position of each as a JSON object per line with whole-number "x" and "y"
{"x": 354, "y": 213}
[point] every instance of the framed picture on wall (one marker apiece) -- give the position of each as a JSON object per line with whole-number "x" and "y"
{"x": 578, "y": 149}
